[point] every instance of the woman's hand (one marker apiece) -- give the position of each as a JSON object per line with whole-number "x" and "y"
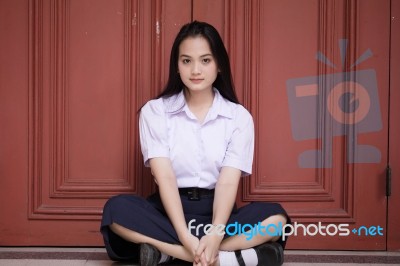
{"x": 208, "y": 250}
{"x": 190, "y": 242}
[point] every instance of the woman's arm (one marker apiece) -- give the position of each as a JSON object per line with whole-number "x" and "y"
{"x": 225, "y": 194}
{"x": 165, "y": 177}
{"x": 224, "y": 199}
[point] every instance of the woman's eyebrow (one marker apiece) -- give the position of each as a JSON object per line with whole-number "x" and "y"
{"x": 184, "y": 55}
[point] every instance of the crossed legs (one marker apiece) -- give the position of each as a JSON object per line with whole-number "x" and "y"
{"x": 237, "y": 242}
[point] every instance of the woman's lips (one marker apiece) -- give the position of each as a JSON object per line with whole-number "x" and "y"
{"x": 196, "y": 81}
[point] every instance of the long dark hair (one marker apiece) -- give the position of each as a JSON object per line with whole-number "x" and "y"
{"x": 223, "y": 82}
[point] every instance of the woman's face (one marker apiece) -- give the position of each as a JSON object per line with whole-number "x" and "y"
{"x": 197, "y": 66}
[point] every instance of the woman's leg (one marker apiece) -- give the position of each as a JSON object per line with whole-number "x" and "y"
{"x": 239, "y": 242}
{"x": 130, "y": 220}
{"x": 176, "y": 251}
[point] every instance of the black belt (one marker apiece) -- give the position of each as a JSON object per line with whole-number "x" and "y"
{"x": 195, "y": 193}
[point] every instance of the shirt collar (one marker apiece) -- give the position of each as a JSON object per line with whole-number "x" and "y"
{"x": 221, "y": 106}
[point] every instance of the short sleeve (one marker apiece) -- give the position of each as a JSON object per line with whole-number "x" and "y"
{"x": 239, "y": 153}
{"x": 153, "y": 131}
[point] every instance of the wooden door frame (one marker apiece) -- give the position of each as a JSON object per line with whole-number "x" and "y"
{"x": 393, "y": 218}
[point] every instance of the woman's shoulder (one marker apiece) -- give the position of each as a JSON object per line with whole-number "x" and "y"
{"x": 153, "y": 107}
{"x": 162, "y": 105}
{"x": 237, "y": 110}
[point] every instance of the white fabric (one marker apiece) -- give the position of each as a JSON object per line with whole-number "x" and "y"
{"x": 249, "y": 256}
{"x": 227, "y": 258}
{"x": 197, "y": 151}
{"x": 164, "y": 258}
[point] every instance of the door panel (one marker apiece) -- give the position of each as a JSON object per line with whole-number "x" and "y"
{"x": 319, "y": 152}
{"x": 13, "y": 118}
{"x": 92, "y": 65}
{"x": 394, "y": 141}
{"x": 79, "y": 119}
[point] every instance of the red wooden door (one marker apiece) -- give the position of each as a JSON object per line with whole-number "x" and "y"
{"x": 76, "y": 73}
{"x": 81, "y": 71}
{"x": 315, "y": 75}
{"x": 394, "y": 140}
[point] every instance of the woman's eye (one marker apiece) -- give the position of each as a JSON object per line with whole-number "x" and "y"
{"x": 206, "y": 60}
{"x": 186, "y": 61}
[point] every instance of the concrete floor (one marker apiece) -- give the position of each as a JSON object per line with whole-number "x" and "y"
{"x": 98, "y": 257}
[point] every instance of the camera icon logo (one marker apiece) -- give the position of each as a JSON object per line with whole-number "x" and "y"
{"x": 339, "y": 104}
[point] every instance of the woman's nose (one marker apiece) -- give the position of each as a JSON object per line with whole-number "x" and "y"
{"x": 196, "y": 69}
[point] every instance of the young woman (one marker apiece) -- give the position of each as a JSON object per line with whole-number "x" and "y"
{"x": 198, "y": 141}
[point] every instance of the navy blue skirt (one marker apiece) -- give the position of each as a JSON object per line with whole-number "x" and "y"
{"x": 148, "y": 217}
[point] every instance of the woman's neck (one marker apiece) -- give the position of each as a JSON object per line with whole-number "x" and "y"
{"x": 199, "y": 102}
{"x": 199, "y": 99}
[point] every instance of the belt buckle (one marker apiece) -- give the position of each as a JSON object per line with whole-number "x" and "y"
{"x": 194, "y": 194}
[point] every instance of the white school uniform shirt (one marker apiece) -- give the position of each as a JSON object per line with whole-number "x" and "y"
{"x": 197, "y": 151}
